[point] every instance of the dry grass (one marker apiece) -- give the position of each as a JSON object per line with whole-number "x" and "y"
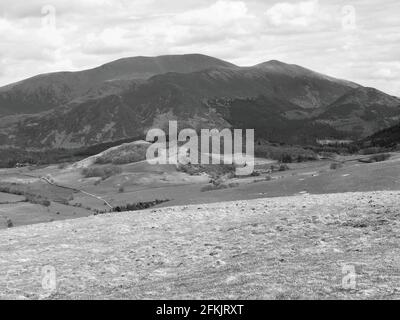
{"x": 103, "y": 172}
{"x": 124, "y": 154}
{"x": 277, "y": 248}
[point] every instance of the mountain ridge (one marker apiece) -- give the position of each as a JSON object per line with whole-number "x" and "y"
{"x": 49, "y": 90}
{"x": 200, "y": 92}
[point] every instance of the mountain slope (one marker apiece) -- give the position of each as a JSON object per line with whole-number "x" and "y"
{"x": 127, "y": 97}
{"x": 387, "y": 138}
{"x": 305, "y": 87}
{"x": 191, "y": 98}
{"x": 47, "y": 91}
{"x": 362, "y": 112}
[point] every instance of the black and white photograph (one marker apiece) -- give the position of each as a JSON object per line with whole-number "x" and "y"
{"x": 218, "y": 151}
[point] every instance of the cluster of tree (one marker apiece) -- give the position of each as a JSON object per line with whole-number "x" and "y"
{"x": 138, "y": 206}
{"x": 385, "y": 140}
{"x": 284, "y": 153}
{"x": 13, "y": 157}
{"x": 101, "y": 172}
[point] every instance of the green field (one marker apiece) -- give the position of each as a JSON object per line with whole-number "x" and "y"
{"x": 74, "y": 195}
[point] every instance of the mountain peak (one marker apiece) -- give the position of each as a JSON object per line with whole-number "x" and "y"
{"x": 293, "y": 70}
{"x": 144, "y": 66}
{"x": 46, "y": 91}
{"x": 275, "y": 62}
{"x": 296, "y": 71}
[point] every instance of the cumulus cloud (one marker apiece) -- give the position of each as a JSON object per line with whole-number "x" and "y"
{"x": 221, "y": 13}
{"x": 108, "y": 41}
{"x": 300, "y": 14}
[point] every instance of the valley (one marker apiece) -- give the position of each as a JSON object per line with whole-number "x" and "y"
{"x": 50, "y": 193}
{"x": 78, "y": 198}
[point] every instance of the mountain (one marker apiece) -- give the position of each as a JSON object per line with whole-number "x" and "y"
{"x": 46, "y": 91}
{"x": 127, "y": 97}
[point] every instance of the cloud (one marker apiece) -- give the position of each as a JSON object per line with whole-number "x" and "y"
{"x": 222, "y": 13}
{"x": 298, "y": 14}
{"x": 108, "y": 41}
{"x": 386, "y": 73}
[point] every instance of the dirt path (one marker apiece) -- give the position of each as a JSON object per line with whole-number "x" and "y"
{"x": 279, "y": 248}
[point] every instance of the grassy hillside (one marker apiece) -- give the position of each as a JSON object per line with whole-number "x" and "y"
{"x": 10, "y": 157}
{"x": 284, "y": 248}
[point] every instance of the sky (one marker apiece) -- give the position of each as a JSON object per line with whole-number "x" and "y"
{"x": 356, "y": 40}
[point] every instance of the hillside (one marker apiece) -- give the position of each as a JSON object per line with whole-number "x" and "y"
{"x": 127, "y": 97}
{"x": 298, "y": 247}
{"x": 47, "y": 91}
{"x": 387, "y": 138}
{"x": 362, "y": 111}
{"x": 304, "y": 87}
